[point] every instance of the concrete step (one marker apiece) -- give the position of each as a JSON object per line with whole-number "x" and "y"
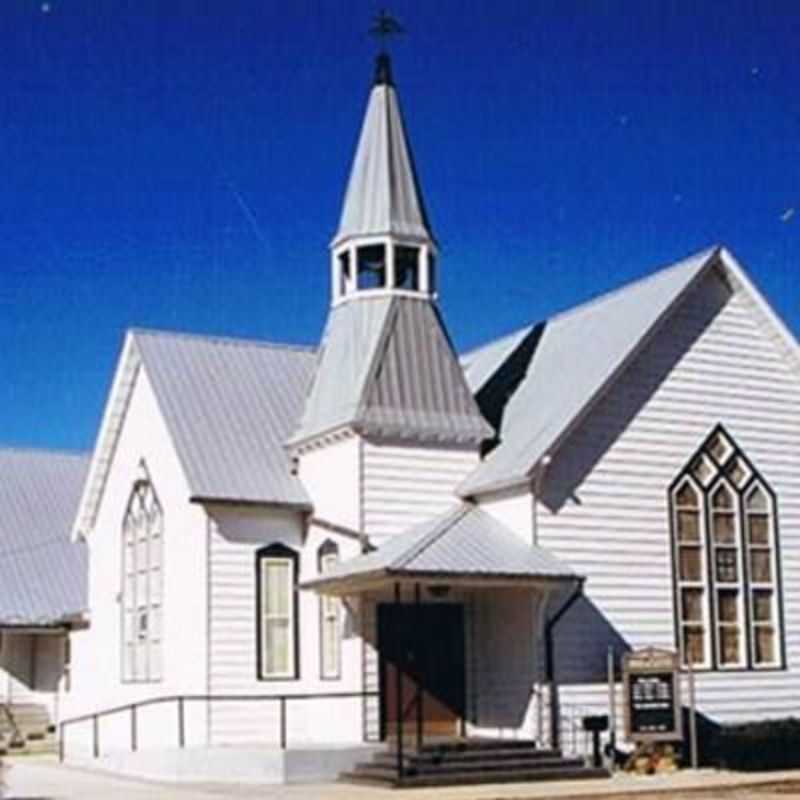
{"x": 468, "y": 756}
{"x": 484, "y": 765}
{"x": 389, "y": 777}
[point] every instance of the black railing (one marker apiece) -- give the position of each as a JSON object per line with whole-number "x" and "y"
{"x": 180, "y": 702}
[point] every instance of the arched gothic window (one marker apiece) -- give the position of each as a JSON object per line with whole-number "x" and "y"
{"x": 726, "y": 561}
{"x": 142, "y": 583}
{"x": 329, "y": 617}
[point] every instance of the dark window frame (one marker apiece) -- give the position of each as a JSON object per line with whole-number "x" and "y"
{"x": 278, "y": 550}
{"x": 755, "y": 478}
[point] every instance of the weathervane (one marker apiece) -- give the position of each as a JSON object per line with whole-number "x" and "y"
{"x": 383, "y": 26}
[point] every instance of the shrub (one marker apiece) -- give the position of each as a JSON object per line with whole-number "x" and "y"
{"x": 753, "y": 746}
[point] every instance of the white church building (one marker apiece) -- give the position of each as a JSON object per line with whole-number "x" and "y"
{"x": 296, "y": 553}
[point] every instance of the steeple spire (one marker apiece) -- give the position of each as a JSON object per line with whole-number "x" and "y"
{"x": 384, "y": 240}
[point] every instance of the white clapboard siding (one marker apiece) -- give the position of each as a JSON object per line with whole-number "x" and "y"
{"x": 608, "y": 486}
{"x": 403, "y": 485}
{"x": 232, "y": 650}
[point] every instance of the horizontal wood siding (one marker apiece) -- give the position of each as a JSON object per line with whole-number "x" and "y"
{"x": 715, "y": 362}
{"x": 232, "y": 643}
{"x": 403, "y": 485}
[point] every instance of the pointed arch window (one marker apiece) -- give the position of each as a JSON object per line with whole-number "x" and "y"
{"x": 726, "y": 561}
{"x": 277, "y": 613}
{"x": 329, "y": 617}
{"x": 142, "y": 583}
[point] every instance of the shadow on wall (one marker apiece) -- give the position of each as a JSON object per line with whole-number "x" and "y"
{"x": 638, "y": 383}
{"x": 582, "y": 639}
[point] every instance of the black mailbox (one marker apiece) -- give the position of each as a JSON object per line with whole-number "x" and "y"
{"x": 596, "y": 724}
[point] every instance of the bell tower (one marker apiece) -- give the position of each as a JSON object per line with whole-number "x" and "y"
{"x": 386, "y": 367}
{"x": 384, "y": 243}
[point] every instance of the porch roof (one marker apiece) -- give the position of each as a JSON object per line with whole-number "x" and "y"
{"x": 465, "y": 544}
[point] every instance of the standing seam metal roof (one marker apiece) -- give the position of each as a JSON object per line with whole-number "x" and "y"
{"x": 464, "y": 541}
{"x": 383, "y": 194}
{"x": 579, "y": 352}
{"x": 229, "y": 405}
{"x": 43, "y": 575}
{"x": 386, "y": 367}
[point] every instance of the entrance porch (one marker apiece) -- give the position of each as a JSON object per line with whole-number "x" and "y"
{"x": 452, "y": 616}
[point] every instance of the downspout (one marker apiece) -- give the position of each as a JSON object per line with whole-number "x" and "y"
{"x": 537, "y": 493}
{"x": 555, "y": 732}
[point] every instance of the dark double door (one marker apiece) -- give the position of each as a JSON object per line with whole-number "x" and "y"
{"x": 423, "y": 644}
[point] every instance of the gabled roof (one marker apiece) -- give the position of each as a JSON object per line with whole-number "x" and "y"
{"x": 387, "y": 368}
{"x": 383, "y": 194}
{"x": 228, "y": 404}
{"x": 578, "y": 355}
{"x": 43, "y": 575}
{"x": 465, "y": 542}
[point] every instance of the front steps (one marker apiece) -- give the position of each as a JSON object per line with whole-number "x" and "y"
{"x": 470, "y": 761}
{"x": 26, "y": 728}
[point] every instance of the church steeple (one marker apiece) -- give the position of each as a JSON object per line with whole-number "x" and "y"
{"x": 384, "y": 240}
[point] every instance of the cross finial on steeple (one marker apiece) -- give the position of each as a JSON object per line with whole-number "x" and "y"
{"x": 384, "y": 26}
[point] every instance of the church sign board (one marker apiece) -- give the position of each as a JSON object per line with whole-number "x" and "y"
{"x": 652, "y": 696}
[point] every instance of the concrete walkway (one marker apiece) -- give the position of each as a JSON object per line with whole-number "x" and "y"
{"x": 42, "y": 778}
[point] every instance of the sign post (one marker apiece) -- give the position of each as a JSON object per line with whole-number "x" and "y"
{"x": 652, "y": 696}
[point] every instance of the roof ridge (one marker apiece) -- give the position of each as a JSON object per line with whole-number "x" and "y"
{"x": 45, "y": 451}
{"x": 658, "y": 272}
{"x": 449, "y": 519}
{"x": 223, "y": 339}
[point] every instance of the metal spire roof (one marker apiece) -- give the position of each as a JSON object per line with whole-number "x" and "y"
{"x": 387, "y": 368}
{"x": 383, "y": 194}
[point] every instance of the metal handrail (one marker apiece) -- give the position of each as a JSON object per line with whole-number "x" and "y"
{"x": 180, "y": 700}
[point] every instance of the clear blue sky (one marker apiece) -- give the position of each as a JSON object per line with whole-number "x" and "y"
{"x": 181, "y": 165}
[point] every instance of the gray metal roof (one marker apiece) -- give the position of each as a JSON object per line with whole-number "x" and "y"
{"x": 383, "y": 194}
{"x": 464, "y": 542}
{"x": 386, "y": 367}
{"x": 229, "y": 405}
{"x": 577, "y": 356}
{"x": 43, "y": 575}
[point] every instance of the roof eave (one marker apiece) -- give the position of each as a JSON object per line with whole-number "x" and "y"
{"x": 297, "y": 506}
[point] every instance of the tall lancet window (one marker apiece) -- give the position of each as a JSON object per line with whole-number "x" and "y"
{"x": 726, "y": 561}
{"x": 329, "y": 617}
{"x": 277, "y": 613}
{"x": 142, "y": 583}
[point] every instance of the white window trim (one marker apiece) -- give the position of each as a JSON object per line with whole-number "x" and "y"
{"x": 327, "y": 617}
{"x": 143, "y": 528}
